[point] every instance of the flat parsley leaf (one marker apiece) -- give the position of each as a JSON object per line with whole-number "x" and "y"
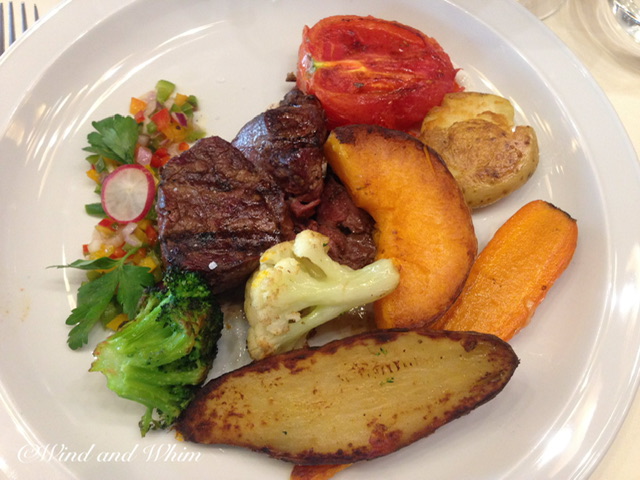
{"x": 93, "y": 299}
{"x": 102, "y": 263}
{"x": 115, "y": 138}
{"x": 132, "y": 282}
{"x": 121, "y": 283}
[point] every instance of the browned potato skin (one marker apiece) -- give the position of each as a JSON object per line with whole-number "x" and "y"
{"x": 353, "y": 399}
{"x": 422, "y": 221}
{"x": 487, "y": 154}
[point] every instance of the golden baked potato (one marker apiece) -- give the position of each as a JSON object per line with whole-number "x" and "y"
{"x": 352, "y": 399}
{"x": 475, "y": 135}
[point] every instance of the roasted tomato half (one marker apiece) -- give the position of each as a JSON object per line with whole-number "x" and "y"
{"x": 368, "y": 70}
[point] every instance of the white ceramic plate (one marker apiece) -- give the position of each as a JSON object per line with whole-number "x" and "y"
{"x": 579, "y": 357}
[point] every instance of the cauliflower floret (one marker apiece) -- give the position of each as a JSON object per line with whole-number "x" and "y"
{"x": 299, "y": 287}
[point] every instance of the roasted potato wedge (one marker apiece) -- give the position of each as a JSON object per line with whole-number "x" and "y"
{"x": 487, "y": 154}
{"x": 422, "y": 221}
{"x": 352, "y": 399}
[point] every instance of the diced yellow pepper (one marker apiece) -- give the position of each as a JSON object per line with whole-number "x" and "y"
{"x": 154, "y": 174}
{"x": 117, "y": 321}
{"x": 143, "y": 224}
{"x": 140, "y": 235}
{"x": 103, "y": 251}
{"x": 93, "y": 174}
{"x": 105, "y": 231}
{"x": 180, "y": 99}
{"x": 175, "y": 133}
{"x": 148, "y": 262}
{"x": 136, "y": 105}
{"x": 111, "y": 164}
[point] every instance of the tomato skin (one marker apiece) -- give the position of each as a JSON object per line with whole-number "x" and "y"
{"x": 368, "y": 70}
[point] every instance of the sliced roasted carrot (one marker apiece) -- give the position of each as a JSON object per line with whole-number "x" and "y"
{"x": 316, "y": 472}
{"x": 514, "y": 272}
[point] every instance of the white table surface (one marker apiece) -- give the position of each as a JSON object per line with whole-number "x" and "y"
{"x": 617, "y": 70}
{"x": 618, "y": 73}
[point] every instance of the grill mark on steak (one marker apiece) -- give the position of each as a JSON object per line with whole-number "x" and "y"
{"x": 215, "y": 206}
{"x": 286, "y": 142}
{"x": 227, "y": 203}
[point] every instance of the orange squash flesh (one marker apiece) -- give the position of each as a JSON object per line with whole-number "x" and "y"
{"x": 316, "y": 472}
{"x": 423, "y": 223}
{"x": 514, "y": 272}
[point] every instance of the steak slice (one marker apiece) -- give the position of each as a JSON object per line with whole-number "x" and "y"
{"x": 349, "y": 228}
{"x": 217, "y": 213}
{"x": 286, "y": 142}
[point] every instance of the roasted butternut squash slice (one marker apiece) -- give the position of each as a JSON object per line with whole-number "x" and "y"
{"x": 423, "y": 223}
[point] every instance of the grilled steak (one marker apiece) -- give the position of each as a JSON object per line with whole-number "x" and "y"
{"x": 286, "y": 142}
{"x": 349, "y": 228}
{"x": 221, "y": 205}
{"x": 217, "y": 213}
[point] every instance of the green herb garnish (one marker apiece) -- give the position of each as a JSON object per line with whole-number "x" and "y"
{"x": 118, "y": 284}
{"x": 115, "y": 138}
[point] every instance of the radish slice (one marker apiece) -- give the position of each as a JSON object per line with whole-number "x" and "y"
{"x": 128, "y": 193}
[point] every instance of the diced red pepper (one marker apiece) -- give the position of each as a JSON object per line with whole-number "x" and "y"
{"x": 109, "y": 223}
{"x": 85, "y": 249}
{"x": 137, "y": 256}
{"x": 158, "y": 161}
{"x": 183, "y": 146}
{"x": 162, "y": 119}
{"x": 160, "y": 157}
{"x": 152, "y": 234}
{"x": 139, "y": 117}
{"x": 119, "y": 252}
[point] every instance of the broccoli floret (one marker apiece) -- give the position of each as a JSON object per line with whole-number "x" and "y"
{"x": 298, "y": 287}
{"x": 160, "y": 357}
